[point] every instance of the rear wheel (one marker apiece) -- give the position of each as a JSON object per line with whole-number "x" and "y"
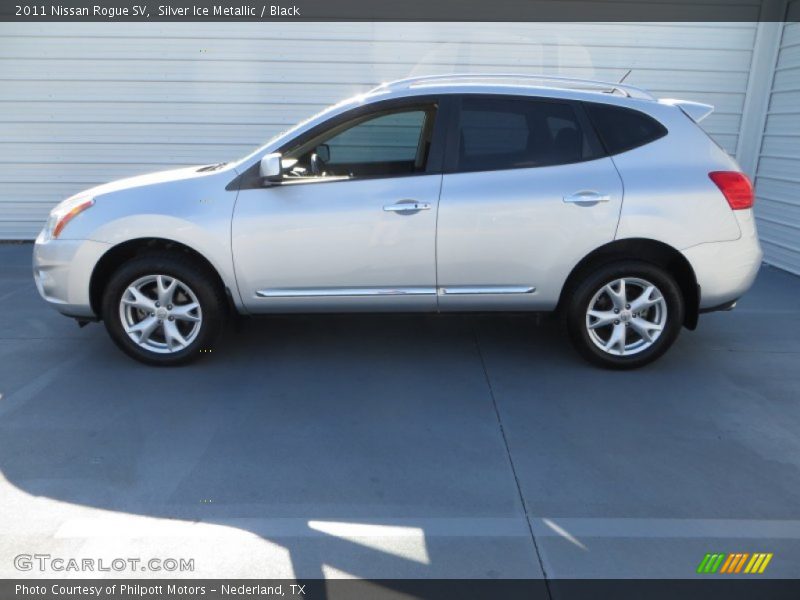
{"x": 625, "y": 314}
{"x": 163, "y": 309}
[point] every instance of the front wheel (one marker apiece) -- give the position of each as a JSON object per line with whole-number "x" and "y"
{"x": 625, "y": 314}
{"x": 163, "y": 309}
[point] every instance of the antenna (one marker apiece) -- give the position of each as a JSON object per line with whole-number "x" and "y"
{"x": 624, "y": 77}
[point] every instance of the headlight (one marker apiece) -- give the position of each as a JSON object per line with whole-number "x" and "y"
{"x": 64, "y": 212}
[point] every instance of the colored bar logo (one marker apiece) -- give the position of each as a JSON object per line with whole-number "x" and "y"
{"x": 734, "y": 562}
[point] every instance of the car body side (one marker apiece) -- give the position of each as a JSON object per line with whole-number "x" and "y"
{"x": 668, "y": 199}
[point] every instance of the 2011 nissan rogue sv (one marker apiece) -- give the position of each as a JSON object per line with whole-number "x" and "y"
{"x": 440, "y": 193}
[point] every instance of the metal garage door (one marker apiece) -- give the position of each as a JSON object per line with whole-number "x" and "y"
{"x": 778, "y": 173}
{"x": 85, "y": 103}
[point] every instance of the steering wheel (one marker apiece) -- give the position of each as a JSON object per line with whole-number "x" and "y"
{"x": 317, "y": 165}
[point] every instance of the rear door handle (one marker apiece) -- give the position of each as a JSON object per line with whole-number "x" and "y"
{"x": 587, "y": 197}
{"x": 407, "y": 206}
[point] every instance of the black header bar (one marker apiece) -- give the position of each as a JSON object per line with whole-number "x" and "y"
{"x": 389, "y": 10}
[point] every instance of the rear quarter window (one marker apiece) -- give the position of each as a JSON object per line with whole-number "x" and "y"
{"x": 621, "y": 128}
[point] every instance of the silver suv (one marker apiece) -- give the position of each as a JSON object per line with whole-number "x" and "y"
{"x": 448, "y": 193}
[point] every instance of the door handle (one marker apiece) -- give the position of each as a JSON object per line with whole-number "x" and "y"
{"x": 407, "y": 206}
{"x": 587, "y": 197}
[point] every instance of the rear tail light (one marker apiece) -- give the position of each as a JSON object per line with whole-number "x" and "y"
{"x": 736, "y": 188}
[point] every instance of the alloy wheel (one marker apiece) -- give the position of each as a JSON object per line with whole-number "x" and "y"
{"x": 626, "y": 316}
{"x": 160, "y": 313}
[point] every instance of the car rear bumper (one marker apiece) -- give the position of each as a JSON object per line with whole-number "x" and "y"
{"x": 724, "y": 270}
{"x": 62, "y": 270}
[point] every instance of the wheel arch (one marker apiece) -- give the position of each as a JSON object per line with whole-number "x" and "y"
{"x": 124, "y": 251}
{"x": 649, "y": 250}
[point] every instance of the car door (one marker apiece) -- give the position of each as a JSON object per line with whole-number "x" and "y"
{"x": 351, "y": 225}
{"x": 527, "y": 193}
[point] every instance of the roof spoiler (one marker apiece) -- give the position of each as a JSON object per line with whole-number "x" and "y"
{"x": 696, "y": 111}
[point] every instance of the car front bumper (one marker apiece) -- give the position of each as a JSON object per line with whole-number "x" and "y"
{"x": 63, "y": 269}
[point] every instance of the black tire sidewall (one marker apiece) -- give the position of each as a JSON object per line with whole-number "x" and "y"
{"x": 188, "y": 272}
{"x": 588, "y": 287}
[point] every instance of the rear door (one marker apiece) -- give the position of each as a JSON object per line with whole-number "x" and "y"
{"x": 527, "y": 193}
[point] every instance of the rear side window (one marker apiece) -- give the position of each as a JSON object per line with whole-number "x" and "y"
{"x": 512, "y": 133}
{"x": 622, "y": 129}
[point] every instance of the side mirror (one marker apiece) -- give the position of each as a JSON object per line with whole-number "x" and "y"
{"x": 271, "y": 168}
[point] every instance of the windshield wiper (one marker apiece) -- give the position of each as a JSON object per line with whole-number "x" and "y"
{"x": 213, "y": 167}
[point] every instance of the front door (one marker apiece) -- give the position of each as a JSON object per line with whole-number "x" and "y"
{"x": 352, "y": 224}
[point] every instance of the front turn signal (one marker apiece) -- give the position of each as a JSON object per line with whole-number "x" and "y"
{"x": 67, "y": 211}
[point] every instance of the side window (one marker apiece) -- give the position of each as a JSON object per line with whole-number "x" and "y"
{"x": 623, "y": 129}
{"x": 378, "y": 145}
{"x": 492, "y": 132}
{"x": 388, "y": 138}
{"x": 512, "y": 133}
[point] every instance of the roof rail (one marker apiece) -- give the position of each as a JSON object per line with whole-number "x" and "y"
{"x": 563, "y": 82}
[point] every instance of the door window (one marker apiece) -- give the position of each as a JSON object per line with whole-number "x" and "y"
{"x": 379, "y": 145}
{"x": 512, "y": 133}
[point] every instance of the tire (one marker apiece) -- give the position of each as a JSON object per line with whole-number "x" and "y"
{"x": 177, "y": 333}
{"x": 616, "y": 337}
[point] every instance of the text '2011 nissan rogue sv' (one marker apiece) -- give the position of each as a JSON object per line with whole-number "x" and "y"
{"x": 441, "y": 193}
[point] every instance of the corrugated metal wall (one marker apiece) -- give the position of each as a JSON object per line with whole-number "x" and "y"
{"x": 85, "y": 103}
{"x": 778, "y": 172}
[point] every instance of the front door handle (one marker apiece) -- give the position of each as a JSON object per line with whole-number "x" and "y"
{"x": 587, "y": 197}
{"x": 407, "y": 206}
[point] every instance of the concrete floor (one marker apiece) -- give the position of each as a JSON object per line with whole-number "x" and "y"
{"x": 401, "y": 446}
